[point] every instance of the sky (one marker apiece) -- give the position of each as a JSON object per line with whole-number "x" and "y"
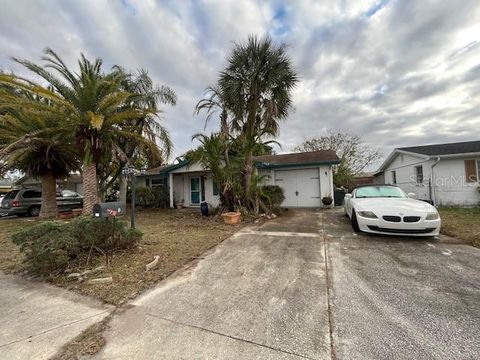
{"x": 395, "y": 72}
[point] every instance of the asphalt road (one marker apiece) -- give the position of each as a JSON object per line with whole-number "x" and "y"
{"x": 401, "y": 298}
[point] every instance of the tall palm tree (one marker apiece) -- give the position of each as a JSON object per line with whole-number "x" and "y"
{"x": 93, "y": 104}
{"x": 31, "y": 140}
{"x": 150, "y": 97}
{"x": 256, "y": 87}
{"x": 214, "y": 103}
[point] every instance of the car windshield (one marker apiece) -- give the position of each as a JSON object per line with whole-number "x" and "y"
{"x": 380, "y": 191}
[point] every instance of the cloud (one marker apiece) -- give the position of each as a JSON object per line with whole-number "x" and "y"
{"x": 398, "y": 72}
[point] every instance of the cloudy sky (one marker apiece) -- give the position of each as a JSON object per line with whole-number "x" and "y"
{"x": 398, "y": 72}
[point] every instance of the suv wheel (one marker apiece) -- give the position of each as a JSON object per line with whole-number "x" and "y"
{"x": 33, "y": 211}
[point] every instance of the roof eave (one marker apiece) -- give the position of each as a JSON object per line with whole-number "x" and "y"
{"x": 261, "y": 165}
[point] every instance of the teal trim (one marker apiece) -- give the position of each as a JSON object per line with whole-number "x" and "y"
{"x": 167, "y": 169}
{"x": 288, "y": 166}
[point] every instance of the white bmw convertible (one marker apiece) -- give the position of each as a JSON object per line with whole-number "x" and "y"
{"x": 386, "y": 209}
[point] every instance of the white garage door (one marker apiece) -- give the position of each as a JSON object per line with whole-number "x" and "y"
{"x": 301, "y": 187}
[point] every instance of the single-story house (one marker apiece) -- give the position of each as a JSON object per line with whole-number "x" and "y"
{"x": 304, "y": 177}
{"x": 443, "y": 174}
{"x": 73, "y": 182}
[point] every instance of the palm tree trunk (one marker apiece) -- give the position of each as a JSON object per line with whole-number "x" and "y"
{"x": 90, "y": 188}
{"x": 122, "y": 197}
{"x": 49, "y": 197}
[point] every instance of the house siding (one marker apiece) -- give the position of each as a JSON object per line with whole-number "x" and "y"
{"x": 450, "y": 187}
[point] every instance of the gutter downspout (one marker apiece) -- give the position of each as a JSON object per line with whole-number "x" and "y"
{"x": 433, "y": 198}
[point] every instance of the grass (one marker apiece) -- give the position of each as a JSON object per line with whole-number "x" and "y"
{"x": 462, "y": 223}
{"x": 177, "y": 236}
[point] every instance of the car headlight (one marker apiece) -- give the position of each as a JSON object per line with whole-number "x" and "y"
{"x": 367, "y": 214}
{"x": 432, "y": 216}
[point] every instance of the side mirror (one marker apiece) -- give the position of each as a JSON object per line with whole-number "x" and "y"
{"x": 412, "y": 195}
{"x": 348, "y": 196}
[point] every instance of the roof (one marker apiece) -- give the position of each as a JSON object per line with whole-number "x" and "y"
{"x": 445, "y": 149}
{"x": 320, "y": 157}
{"x": 155, "y": 171}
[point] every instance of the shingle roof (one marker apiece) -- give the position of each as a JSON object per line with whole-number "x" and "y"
{"x": 445, "y": 149}
{"x": 305, "y": 158}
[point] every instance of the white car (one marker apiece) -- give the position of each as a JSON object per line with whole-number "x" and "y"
{"x": 386, "y": 209}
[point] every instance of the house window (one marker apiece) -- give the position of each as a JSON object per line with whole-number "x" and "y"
{"x": 419, "y": 174}
{"x": 215, "y": 188}
{"x": 472, "y": 171}
{"x": 157, "y": 182}
{"x": 394, "y": 177}
{"x": 147, "y": 182}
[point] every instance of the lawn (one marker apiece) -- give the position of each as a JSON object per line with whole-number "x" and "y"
{"x": 177, "y": 236}
{"x": 461, "y": 223}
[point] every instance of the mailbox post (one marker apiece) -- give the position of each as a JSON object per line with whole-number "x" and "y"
{"x": 130, "y": 172}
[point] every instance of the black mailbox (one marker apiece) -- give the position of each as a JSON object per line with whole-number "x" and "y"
{"x": 109, "y": 209}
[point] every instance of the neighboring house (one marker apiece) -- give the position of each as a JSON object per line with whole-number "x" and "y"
{"x": 443, "y": 174}
{"x": 304, "y": 177}
{"x": 364, "y": 178}
{"x": 72, "y": 182}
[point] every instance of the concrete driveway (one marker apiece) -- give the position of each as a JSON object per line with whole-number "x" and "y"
{"x": 260, "y": 295}
{"x": 263, "y": 294}
{"x": 37, "y": 319}
{"x": 401, "y": 298}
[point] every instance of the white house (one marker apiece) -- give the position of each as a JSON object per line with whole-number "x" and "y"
{"x": 304, "y": 177}
{"x": 443, "y": 174}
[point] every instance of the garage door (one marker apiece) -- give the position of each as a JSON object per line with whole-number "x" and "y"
{"x": 301, "y": 187}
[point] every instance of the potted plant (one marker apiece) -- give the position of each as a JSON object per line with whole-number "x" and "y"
{"x": 179, "y": 205}
{"x": 231, "y": 218}
{"x": 327, "y": 200}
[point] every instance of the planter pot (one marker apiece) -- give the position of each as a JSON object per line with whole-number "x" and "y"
{"x": 77, "y": 212}
{"x": 231, "y": 218}
{"x": 327, "y": 200}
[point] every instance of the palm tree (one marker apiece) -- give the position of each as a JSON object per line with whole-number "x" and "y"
{"x": 256, "y": 87}
{"x": 31, "y": 140}
{"x": 150, "y": 96}
{"x": 94, "y": 106}
{"x": 214, "y": 103}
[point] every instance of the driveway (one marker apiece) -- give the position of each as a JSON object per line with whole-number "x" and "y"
{"x": 260, "y": 295}
{"x": 401, "y": 298}
{"x": 263, "y": 294}
{"x": 37, "y": 319}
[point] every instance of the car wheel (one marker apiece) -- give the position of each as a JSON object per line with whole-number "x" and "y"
{"x": 34, "y": 211}
{"x": 355, "y": 222}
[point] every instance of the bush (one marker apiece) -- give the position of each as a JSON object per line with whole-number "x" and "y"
{"x": 272, "y": 196}
{"x": 157, "y": 197}
{"x": 53, "y": 246}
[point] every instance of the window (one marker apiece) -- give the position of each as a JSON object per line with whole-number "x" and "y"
{"x": 379, "y": 192}
{"x": 147, "y": 182}
{"x": 419, "y": 174}
{"x": 32, "y": 194}
{"x": 157, "y": 182}
{"x": 394, "y": 177}
{"x": 472, "y": 171}
{"x": 215, "y": 188}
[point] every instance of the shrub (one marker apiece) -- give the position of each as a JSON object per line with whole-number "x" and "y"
{"x": 53, "y": 246}
{"x": 272, "y": 196}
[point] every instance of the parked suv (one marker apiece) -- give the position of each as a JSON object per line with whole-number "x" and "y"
{"x": 27, "y": 202}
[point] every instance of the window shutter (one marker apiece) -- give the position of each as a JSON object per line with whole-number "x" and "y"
{"x": 470, "y": 171}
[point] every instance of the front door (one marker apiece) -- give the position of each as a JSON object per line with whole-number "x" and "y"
{"x": 195, "y": 191}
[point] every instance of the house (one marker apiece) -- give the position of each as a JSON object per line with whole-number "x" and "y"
{"x": 443, "y": 174}
{"x": 304, "y": 177}
{"x": 72, "y": 182}
{"x": 363, "y": 178}
{"x": 5, "y": 186}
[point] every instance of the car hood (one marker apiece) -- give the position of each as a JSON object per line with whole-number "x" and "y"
{"x": 393, "y": 206}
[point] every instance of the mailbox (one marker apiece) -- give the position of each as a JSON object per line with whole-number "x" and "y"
{"x": 109, "y": 209}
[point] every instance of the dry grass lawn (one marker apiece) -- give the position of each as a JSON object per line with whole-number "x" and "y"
{"x": 177, "y": 236}
{"x": 460, "y": 223}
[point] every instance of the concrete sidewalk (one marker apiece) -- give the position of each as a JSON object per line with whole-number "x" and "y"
{"x": 260, "y": 294}
{"x": 37, "y": 319}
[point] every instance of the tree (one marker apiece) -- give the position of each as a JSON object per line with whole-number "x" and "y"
{"x": 150, "y": 97}
{"x": 93, "y": 104}
{"x": 256, "y": 88}
{"x": 355, "y": 156}
{"x": 31, "y": 140}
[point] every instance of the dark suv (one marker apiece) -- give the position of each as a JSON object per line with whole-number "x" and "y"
{"x": 27, "y": 202}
